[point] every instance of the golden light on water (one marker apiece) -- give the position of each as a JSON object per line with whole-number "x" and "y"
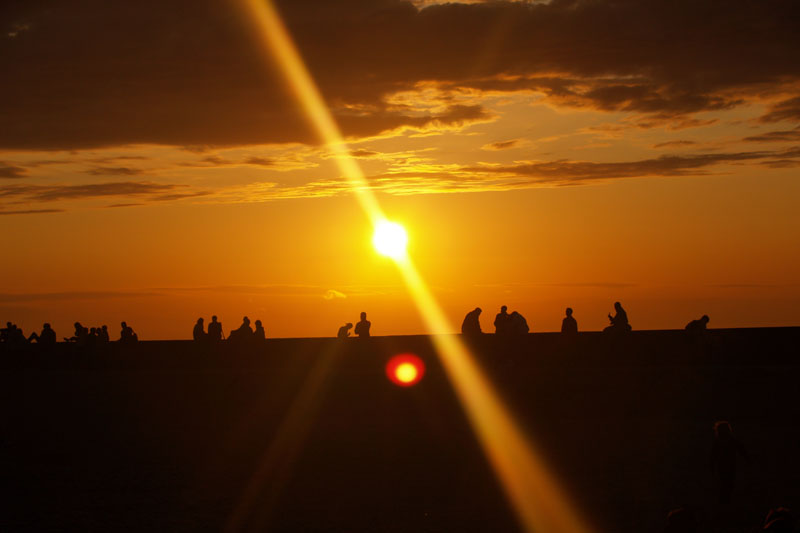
{"x": 540, "y": 504}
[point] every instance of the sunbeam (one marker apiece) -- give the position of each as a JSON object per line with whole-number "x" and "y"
{"x": 540, "y": 504}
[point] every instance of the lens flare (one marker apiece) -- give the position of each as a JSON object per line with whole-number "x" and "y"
{"x": 405, "y": 370}
{"x": 390, "y": 239}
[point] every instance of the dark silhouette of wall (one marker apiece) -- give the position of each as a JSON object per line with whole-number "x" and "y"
{"x": 167, "y": 435}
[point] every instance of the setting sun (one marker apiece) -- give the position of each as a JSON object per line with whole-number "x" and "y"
{"x": 390, "y": 239}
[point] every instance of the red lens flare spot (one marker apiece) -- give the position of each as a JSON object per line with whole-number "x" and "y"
{"x": 405, "y": 369}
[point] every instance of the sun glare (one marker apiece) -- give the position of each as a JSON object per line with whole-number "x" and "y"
{"x": 390, "y": 239}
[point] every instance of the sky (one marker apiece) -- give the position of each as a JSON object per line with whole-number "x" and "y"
{"x": 156, "y": 167}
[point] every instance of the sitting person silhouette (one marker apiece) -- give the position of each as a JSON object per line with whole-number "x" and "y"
{"x": 215, "y": 330}
{"x": 127, "y": 335}
{"x": 102, "y": 335}
{"x": 472, "y": 324}
{"x": 362, "y": 327}
{"x": 344, "y": 331}
{"x": 6, "y": 332}
{"x": 697, "y": 327}
{"x": 569, "y": 326}
{"x": 259, "y": 334}
{"x": 199, "y": 333}
{"x": 517, "y": 325}
{"x": 80, "y": 336}
{"x": 619, "y": 322}
{"x": 502, "y": 322}
{"x": 723, "y": 459}
{"x": 47, "y": 337}
{"x": 243, "y": 333}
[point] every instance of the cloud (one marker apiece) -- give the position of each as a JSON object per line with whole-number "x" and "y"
{"x": 114, "y": 171}
{"x": 331, "y": 294}
{"x": 785, "y": 110}
{"x": 501, "y": 145}
{"x": 776, "y": 136}
{"x": 11, "y": 171}
{"x": 674, "y": 144}
{"x": 29, "y": 211}
{"x": 571, "y": 172}
{"x": 50, "y": 193}
{"x": 72, "y": 79}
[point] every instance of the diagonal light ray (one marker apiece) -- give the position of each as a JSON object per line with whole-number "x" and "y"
{"x": 540, "y": 504}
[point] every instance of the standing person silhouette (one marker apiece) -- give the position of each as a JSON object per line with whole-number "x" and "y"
{"x": 569, "y": 326}
{"x": 472, "y": 324}
{"x": 502, "y": 322}
{"x": 362, "y": 327}
{"x": 214, "y": 330}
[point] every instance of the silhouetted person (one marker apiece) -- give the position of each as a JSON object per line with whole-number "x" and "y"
{"x": 569, "y": 326}
{"x": 199, "y": 332}
{"x": 6, "y": 332}
{"x": 259, "y": 334}
{"x": 697, "y": 328}
{"x": 619, "y": 322}
{"x": 723, "y": 459}
{"x": 127, "y": 335}
{"x": 243, "y": 333}
{"x": 344, "y": 331}
{"x": 681, "y": 520}
{"x": 214, "y": 330}
{"x": 517, "y": 325}
{"x": 363, "y": 325}
{"x": 102, "y": 335}
{"x": 46, "y": 338}
{"x": 81, "y": 335}
{"x": 14, "y": 335}
{"x": 502, "y": 322}
{"x": 472, "y": 323}
{"x": 780, "y": 520}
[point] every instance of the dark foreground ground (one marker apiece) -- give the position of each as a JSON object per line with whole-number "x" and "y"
{"x": 309, "y": 435}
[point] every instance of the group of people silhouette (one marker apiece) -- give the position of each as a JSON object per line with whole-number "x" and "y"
{"x": 83, "y": 336}
{"x": 362, "y": 328}
{"x": 244, "y": 334}
{"x": 505, "y": 324}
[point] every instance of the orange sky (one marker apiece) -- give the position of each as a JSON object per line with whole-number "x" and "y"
{"x": 156, "y": 185}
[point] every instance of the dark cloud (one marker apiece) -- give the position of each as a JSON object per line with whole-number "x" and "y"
{"x": 114, "y": 171}
{"x": 30, "y": 211}
{"x": 777, "y": 136}
{"x": 49, "y": 193}
{"x": 785, "y": 110}
{"x": 11, "y": 171}
{"x": 674, "y": 144}
{"x": 571, "y": 172}
{"x": 501, "y": 145}
{"x": 82, "y": 74}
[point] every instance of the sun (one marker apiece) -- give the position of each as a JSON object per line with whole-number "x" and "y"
{"x": 390, "y": 239}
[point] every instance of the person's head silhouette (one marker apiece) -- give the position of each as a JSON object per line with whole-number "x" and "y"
{"x": 478, "y": 310}
{"x": 363, "y": 315}
{"x": 349, "y": 325}
{"x": 569, "y": 311}
{"x": 503, "y": 309}
{"x": 214, "y": 318}
{"x": 617, "y": 306}
{"x": 704, "y": 319}
{"x": 258, "y": 323}
{"x": 46, "y": 325}
{"x": 246, "y": 321}
{"x": 200, "y": 321}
